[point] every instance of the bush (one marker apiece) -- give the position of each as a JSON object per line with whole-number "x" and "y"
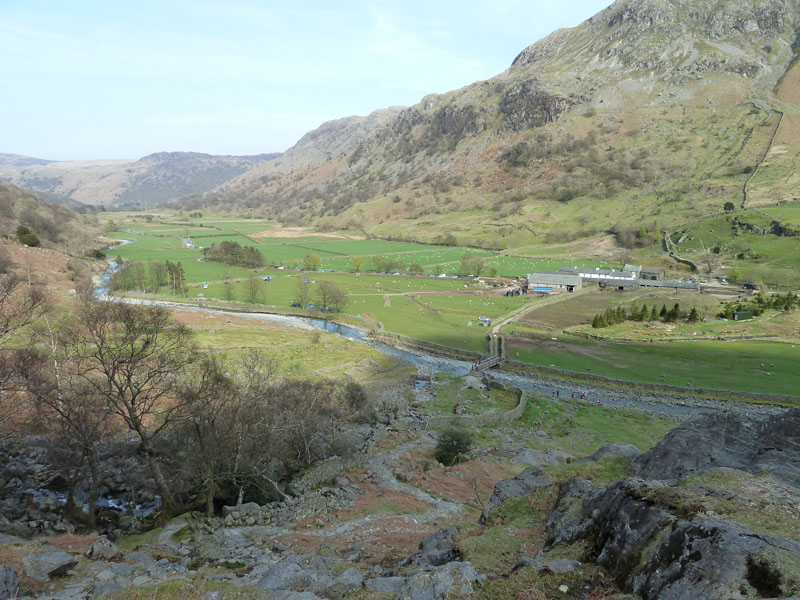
{"x": 453, "y": 446}
{"x": 26, "y": 236}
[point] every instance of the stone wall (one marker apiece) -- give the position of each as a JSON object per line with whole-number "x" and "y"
{"x": 482, "y": 419}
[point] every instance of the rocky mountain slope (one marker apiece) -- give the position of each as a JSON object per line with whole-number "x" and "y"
{"x": 649, "y": 111}
{"x": 152, "y": 180}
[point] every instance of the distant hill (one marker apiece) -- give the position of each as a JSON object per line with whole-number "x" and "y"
{"x": 152, "y": 180}
{"x": 648, "y": 115}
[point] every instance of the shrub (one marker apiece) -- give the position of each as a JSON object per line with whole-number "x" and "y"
{"x": 26, "y": 236}
{"x": 453, "y": 446}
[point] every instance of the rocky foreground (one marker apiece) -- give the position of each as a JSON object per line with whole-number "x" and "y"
{"x": 712, "y": 512}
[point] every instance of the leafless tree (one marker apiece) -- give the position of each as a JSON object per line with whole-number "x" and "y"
{"x": 303, "y": 292}
{"x": 331, "y": 296}
{"x": 254, "y": 288}
{"x": 132, "y": 359}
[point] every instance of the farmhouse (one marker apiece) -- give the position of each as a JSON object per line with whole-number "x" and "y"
{"x": 631, "y": 276}
{"x": 545, "y": 283}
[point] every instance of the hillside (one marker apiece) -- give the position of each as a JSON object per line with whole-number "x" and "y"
{"x": 152, "y": 180}
{"x": 644, "y": 117}
{"x": 55, "y": 226}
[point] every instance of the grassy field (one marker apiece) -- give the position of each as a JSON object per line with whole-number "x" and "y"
{"x": 701, "y": 364}
{"x": 581, "y": 309}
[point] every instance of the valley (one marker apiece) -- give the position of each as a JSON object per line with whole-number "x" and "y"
{"x": 534, "y": 338}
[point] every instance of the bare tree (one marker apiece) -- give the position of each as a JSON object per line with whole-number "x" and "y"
{"x": 303, "y": 292}
{"x": 132, "y": 357}
{"x": 254, "y": 288}
{"x": 331, "y": 296}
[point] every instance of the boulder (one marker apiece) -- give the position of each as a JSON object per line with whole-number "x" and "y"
{"x": 560, "y": 566}
{"x": 347, "y": 583}
{"x": 531, "y": 479}
{"x": 386, "y": 585}
{"x": 48, "y": 565}
{"x": 455, "y": 578}
{"x": 10, "y": 539}
{"x": 102, "y": 549}
{"x": 727, "y": 440}
{"x": 9, "y": 582}
{"x": 288, "y": 574}
{"x": 101, "y": 588}
{"x": 616, "y": 449}
{"x": 437, "y": 549}
{"x": 542, "y": 458}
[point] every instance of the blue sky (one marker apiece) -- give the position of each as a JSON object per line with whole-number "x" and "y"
{"x": 83, "y": 80}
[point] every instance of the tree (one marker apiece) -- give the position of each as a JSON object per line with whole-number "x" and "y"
{"x": 302, "y": 292}
{"x": 313, "y": 262}
{"x": 254, "y": 288}
{"x": 331, "y": 296}
{"x": 357, "y": 263}
{"x": 415, "y": 268}
{"x": 693, "y": 315}
{"x": 21, "y": 304}
{"x": 227, "y": 289}
{"x": 729, "y": 206}
{"x": 132, "y": 358}
{"x": 71, "y": 409}
{"x": 26, "y": 236}
{"x": 453, "y": 446}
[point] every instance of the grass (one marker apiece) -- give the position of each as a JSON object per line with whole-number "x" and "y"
{"x": 451, "y": 392}
{"x": 733, "y": 366}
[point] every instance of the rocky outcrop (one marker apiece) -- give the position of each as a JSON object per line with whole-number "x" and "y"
{"x": 102, "y": 549}
{"x": 654, "y": 553}
{"x": 625, "y": 450}
{"x": 662, "y": 540}
{"x": 727, "y": 440}
{"x": 437, "y": 549}
{"x": 531, "y": 479}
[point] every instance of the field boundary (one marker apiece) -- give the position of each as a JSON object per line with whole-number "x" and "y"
{"x": 486, "y": 418}
{"x": 653, "y": 387}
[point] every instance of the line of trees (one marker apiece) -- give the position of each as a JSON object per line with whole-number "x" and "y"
{"x": 209, "y": 430}
{"x": 150, "y": 277}
{"x": 614, "y": 316}
{"x": 327, "y": 295}
{"x": 234, "y": 254}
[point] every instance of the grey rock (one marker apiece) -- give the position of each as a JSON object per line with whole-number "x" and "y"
{"x": 532, "y": 478}
{"x": 657, "y": 555}
{"x": 9, "y": 582}
{"x": 386, "y": 585}
{"x": 348, "y": 582}
{"x": 212, "y": 596}
{"x": 101, "y": 588}
{"x": 289, "y": 595}
{"x": 560, "y": 565}
{"x": 250, "y": 509}
{"x": 48, "y": 565}
{"x": 123, "y": 569}
{"x": 437, "y": 549}
{"x": 455, "y": 578}
{"x": 102, "y": 549}
{"x": 566, "y": 523}
{"x": 542, "y": 458}
{"x": 142, "y": 580}
{"x": 288, "y": 574}
{"x": 727, "y": 440}
{"x": 616, "y": 449}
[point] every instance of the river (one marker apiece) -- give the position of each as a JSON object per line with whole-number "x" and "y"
{"x": 621, "y": 398}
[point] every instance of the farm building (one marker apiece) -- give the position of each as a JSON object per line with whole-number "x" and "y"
{"x": 630, "y": 276}
{"x": 549, "y": 282}
{"x": 742, "y": 315}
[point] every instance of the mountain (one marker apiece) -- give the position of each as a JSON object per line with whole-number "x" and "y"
{"x": 647, "y": 115}
{"x": 152, "y": 180}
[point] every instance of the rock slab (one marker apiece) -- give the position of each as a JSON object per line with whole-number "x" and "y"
{"x": 9, "y": 582}
{"x": 48, "y": 565}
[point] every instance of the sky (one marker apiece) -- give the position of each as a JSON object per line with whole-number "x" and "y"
{"x": 84, "y": 80}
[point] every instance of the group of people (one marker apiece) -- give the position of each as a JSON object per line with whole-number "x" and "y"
{"x": 581, "y": 395}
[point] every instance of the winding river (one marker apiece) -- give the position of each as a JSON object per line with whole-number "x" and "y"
{"x": 641, "y": 401}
